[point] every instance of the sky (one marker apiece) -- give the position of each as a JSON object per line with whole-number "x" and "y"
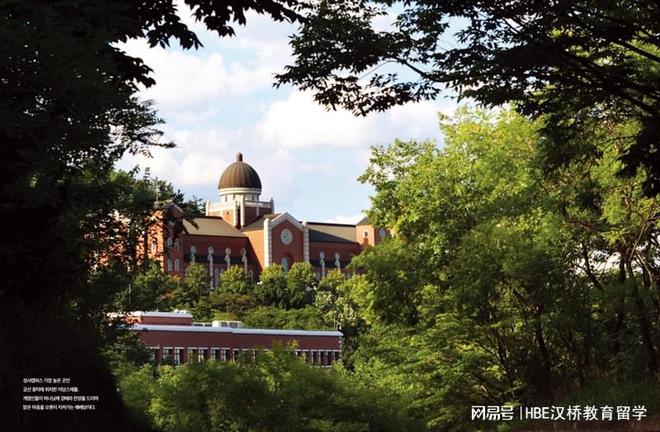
{"x": 220, "y": 100}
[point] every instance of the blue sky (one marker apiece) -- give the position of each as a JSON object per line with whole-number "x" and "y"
{"x": 220, "y": 100}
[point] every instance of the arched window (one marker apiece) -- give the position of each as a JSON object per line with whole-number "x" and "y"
{"x": 176, "y": 265}
{"x": 365, "y": 234}
{"x": 284, "y": 262}
{"x": 169, "y": 265}
{"x": 193, "y": 251}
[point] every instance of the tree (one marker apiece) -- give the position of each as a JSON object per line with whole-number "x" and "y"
{"x": 304, "y": 318}
{"x": 573, "y": 63}
{"x": 150, "y": 289}
{"x": 510, "y": 299}
{"x": 233, "y": 305}
{"x": 193, "y": 293}
{"x": 278, "y": 393}
{"x": 333, "y": 299}
{"x": 69, "y": 113}
{"x": 235, "y": 281}
{"x": 271, "y": 290}
{"x": 300, "y": 284}
{"x": 138, "y": 204}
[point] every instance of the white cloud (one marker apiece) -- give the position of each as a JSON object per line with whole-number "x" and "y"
{"x": 218, "y": 101}
{"x": 299, "y": 122}
{"x": 187, "y": 80}
{"x": 198, "y": 159}
{"x": 343, "y": 219}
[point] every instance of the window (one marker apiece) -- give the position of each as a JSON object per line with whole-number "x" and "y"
{"x": 214, "y": 353}
{"x": 169, "y": 265}
{"x": 365, "y": 234}
{"x": 223, "y": 354}
{"x": 176, "y": 244}
{"x": 169, "y": 242}
{"x": 201, "y": 354}
{"x": 285, "y": 263}
{"x": 167, "y": 353}
{"x": 154, "y": 245}
{"x": 153, "y": 354}
{"x": 176, "y": 265}
{"x": 193, "y": 251}
{"x": 177, "y": 355}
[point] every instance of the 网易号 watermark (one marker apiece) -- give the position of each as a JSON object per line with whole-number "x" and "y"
{"x": 558, "y": 413}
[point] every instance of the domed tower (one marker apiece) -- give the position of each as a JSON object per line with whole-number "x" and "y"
{"x": 239, "y": 188}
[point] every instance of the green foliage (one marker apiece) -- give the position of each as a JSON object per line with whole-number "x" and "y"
{"x": 278, "y": 393}
{"x": 233, "y": 304}
{"x": 335, "y": 300}
{"x": 493, "y": 288}
{"x": 272, "y": 286}
{"x": 151, "y": 289}
{"x": 235, "y": 281}
{"x": 125, "y": 353}
{"x": 578, "y": 66}
{"x": 331, "y": 282}
{"x": 136, "y": 390}
{"x": 305, "y": 318}
{"x": 193, "y": 293}
{"x": 69, "y": 113}
{"x": 286, "y": 289}
{"x": 388, "y": 292}
{"x": 300, "y": 284}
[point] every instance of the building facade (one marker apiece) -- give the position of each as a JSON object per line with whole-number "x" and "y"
{"x": 173, "y": 337}
{"x": 241, "y": 229}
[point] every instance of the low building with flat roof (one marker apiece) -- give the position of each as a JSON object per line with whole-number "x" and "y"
{"x": 174, "y": 337}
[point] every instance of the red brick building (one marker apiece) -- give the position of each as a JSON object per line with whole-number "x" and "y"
{"x": 174, "y": 337}
{"x": 240, "y": 229}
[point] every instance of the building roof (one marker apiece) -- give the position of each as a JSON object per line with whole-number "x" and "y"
{"x": 239, "y": 175}
{"x": 200, "y": 329}
{"x": 212, "y": 226}
{"x": 335, "y": 233}
{"x": 258, "y": 223}
{"x": 364, "y": 221}
{"x": 155, "y": 314}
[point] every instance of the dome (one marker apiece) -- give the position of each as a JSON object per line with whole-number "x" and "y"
{"x": 239, "y": 175}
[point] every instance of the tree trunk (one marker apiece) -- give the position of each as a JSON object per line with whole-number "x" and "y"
{"x": 642, "y": 318}
{"x": 545, "y": 356}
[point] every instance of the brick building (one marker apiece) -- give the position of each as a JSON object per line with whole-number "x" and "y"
{"x": 174, "y": 337}
{"x": 240, "y": 229}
